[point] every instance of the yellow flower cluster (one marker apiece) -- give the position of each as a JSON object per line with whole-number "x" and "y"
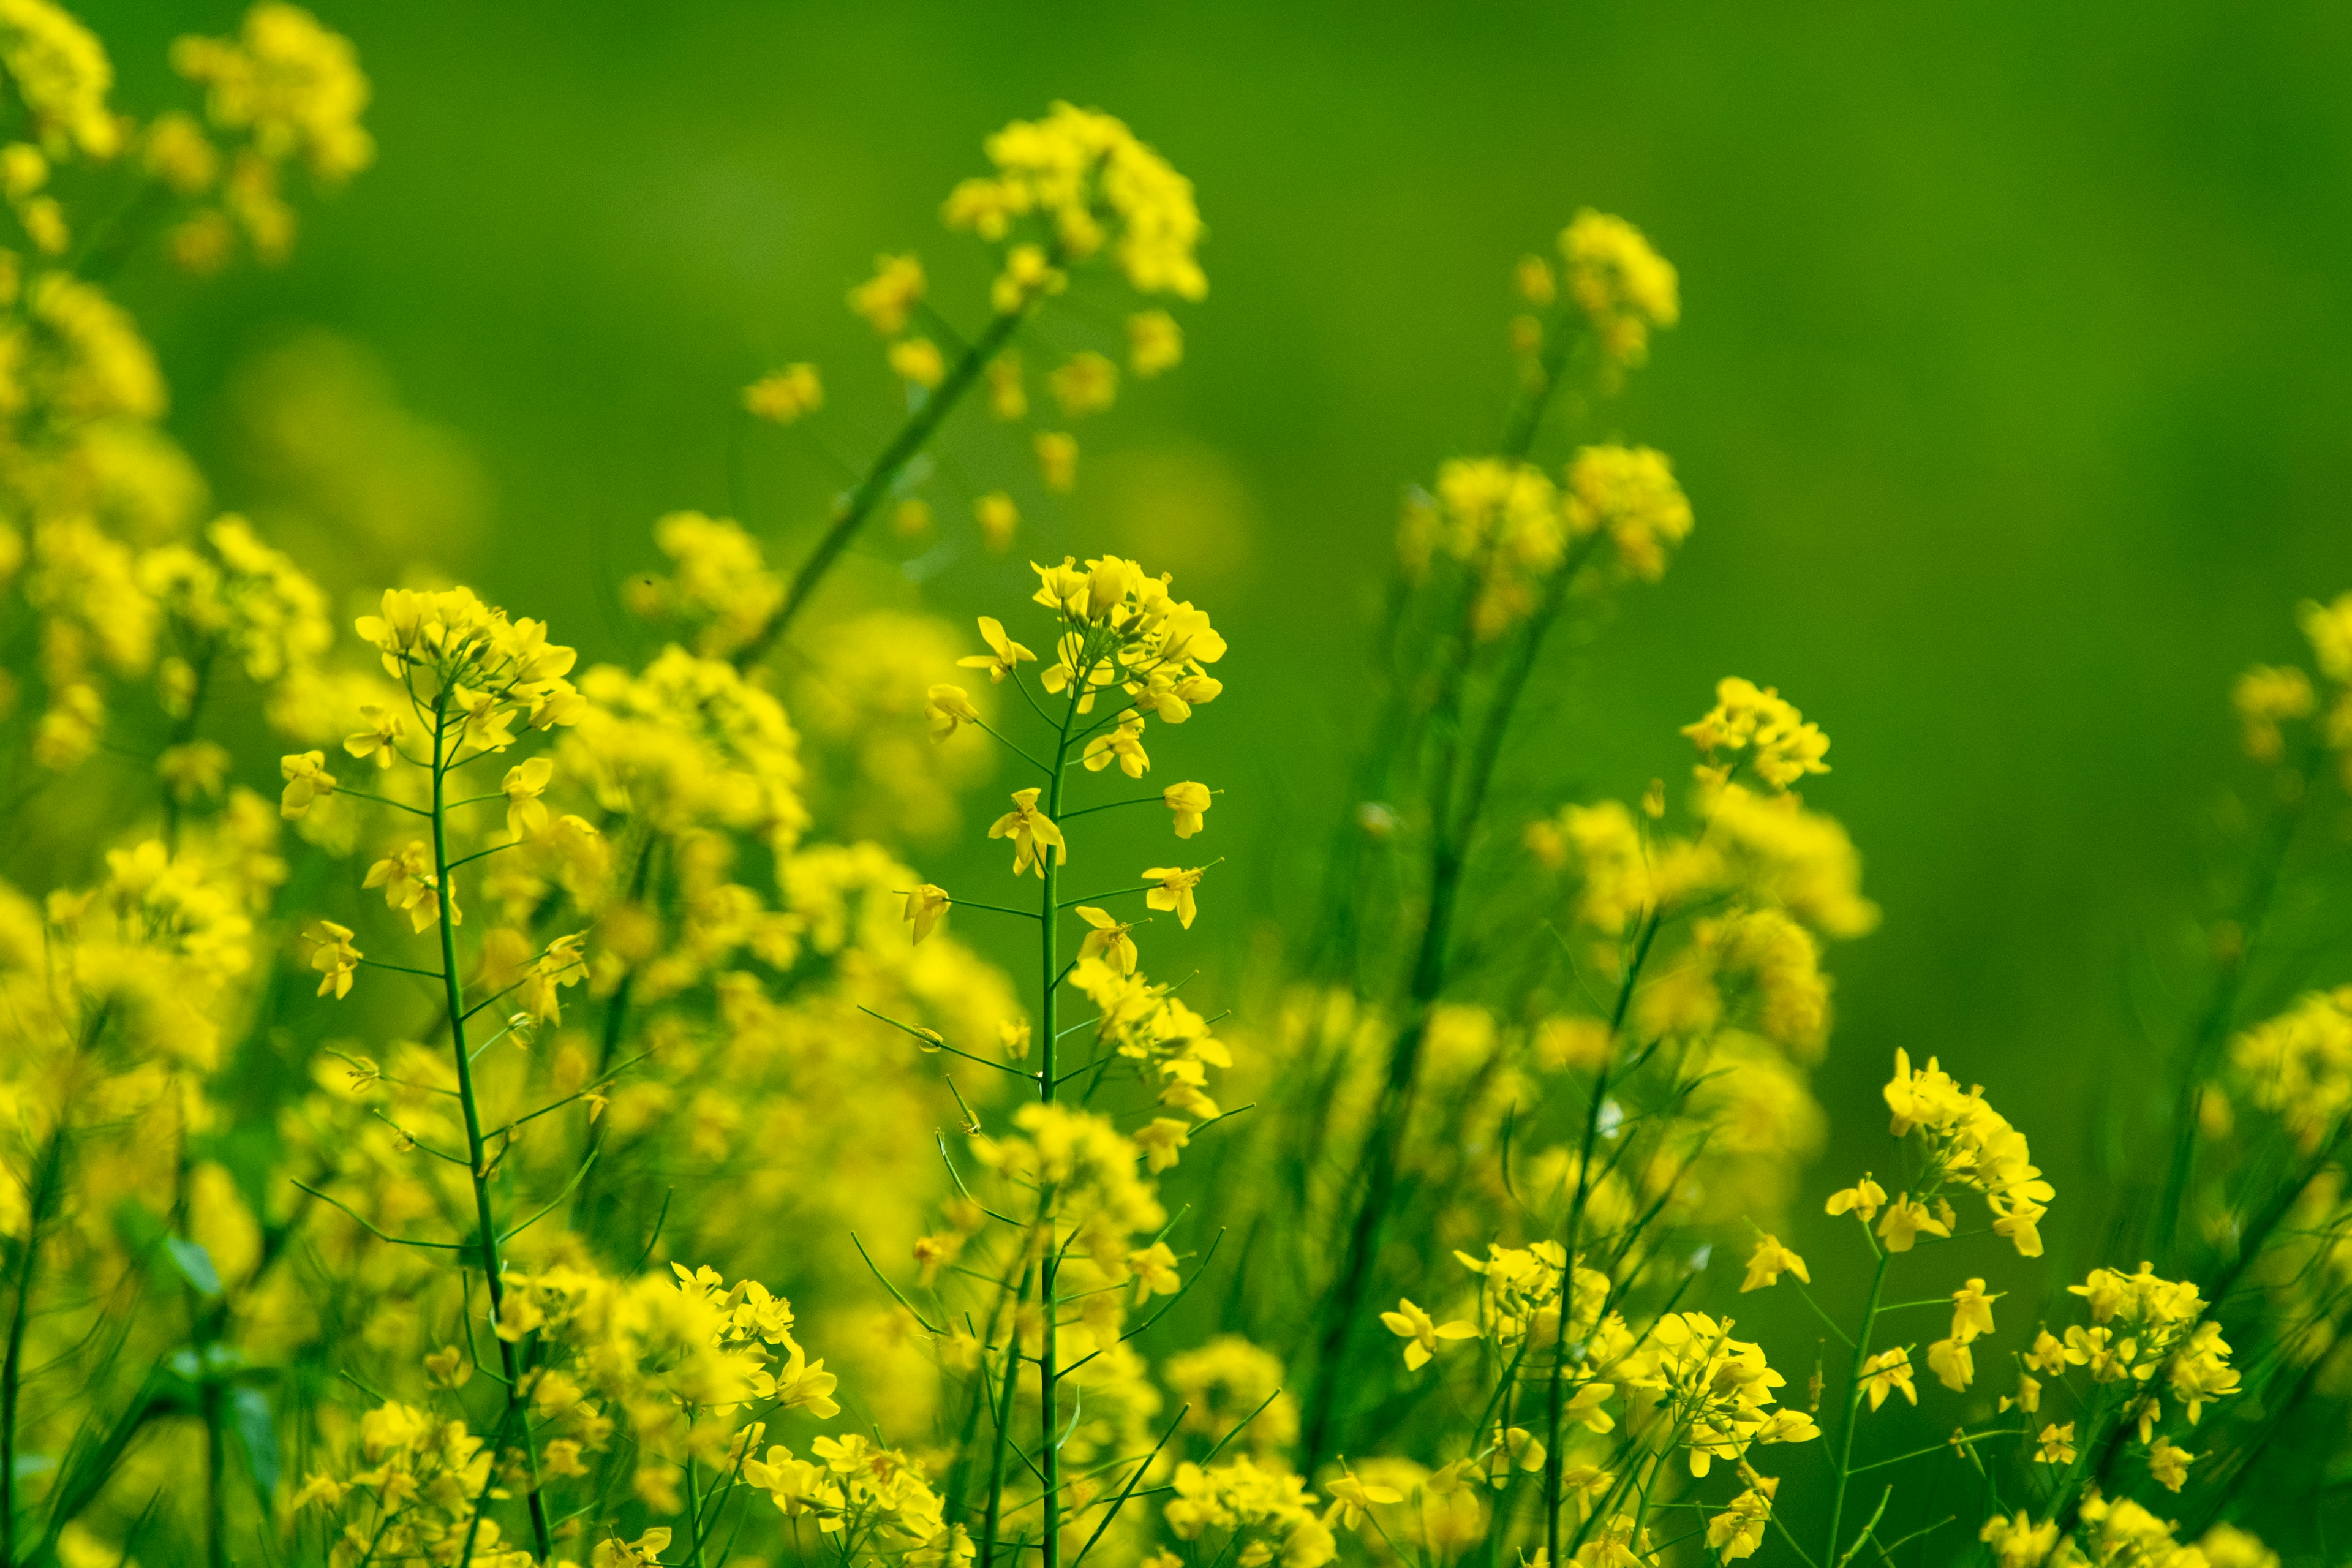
{"x": 1263, "y": 1510}
{"x": 1967, "y": 1143}
{"x": 1522, "y": 537}
{"x": 413, "y": 1492}
{"x": 1712, "y": 1389}
{"x": 2298, "y": 1065}
{"x": 721, "y": 588}
{"x": 1755, "y": 726}
{"x": 1624, "y": 288}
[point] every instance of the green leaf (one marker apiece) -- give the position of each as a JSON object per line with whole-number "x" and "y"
{"x": 196, "y": 1266}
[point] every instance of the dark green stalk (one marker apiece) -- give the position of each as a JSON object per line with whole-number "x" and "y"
{"x": 1853, "y": 1401}
{"x": 509, "y": 1359}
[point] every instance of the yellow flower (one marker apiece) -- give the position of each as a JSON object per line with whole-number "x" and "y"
{"x": 785, "y": 395}
{"x": 1004, "y": 654}
{"x": 1352, "y": 1499}
{"x": 194, "y": 769}
{"x": 997, "y": 517}
{"x": 380, "y": 739}
{"x": 1623, "y": 287}
{"x": 925, "y": 905}
{"x": 1952, "y": 1363}
{"x": 408, "y": 882}
{"x": 524, "y": 783}
{"x": 1189, "y": 802}
{"x": 1123, "y": 745}
{"x": 890, "y": 296}
{"x": 306, "y": 779}
{"x": 2019, "y": 1543}
{"x": 1057, "y": 460}
{"x": 563, "y": 964}
{"x": 1738, "y": 1529}
{"x": 1863, "y": 1199}
{"x": 1154, "y": 1269}
{"x": 917, "y": 360}
{"x": 1175, "y": 891}
{"x": 2028, "y": 1396}
{"x": 1422, "y": 1333}
{"x": 2169, "y": 1464}
{"x": 1086, "y": 384}
{"x": 1161, "y": 1141}
{"x": 1007, "y": 398}
{"x": 1108, "y": 941}
{"x": 1888, "y": 1371}
{"x": 1907, "y": 1219}
{"x": 334, "y": 957}
{"x": 1154, "y": 343}
{"x": 1972, "y": 1311}
{"x": 946, "y": 706}
{"x": 1769, "y": 1261}
{"x": 2056, "y": 1445}
{"x": 1033, "y": 833}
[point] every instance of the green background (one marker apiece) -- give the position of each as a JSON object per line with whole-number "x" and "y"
{"x": 2010, "y": 393}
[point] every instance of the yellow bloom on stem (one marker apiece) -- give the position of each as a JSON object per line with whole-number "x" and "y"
{"x": 1175, "y": 891}
{"x": 890, "y": 296}
{"x": 1972, "y": 1311}
{"x": 1888, "y": 1371}
{"x": 1086, "y": 384}
{"x": 997, "y": 517}
{"x": 1123, "y": 745}
{"x": 2169, "y": 1464}
{"x": 1032, "y": 832}
{"x": 380, "y": 739}
{"x": 1154, "y": 1269}
{"x": 306, "y": 779}
{"x": 409, "y": 883}
{"x": 946, "y": 706}
{"x": 925, "y": 905}
{"x": 1057, "y": 460}
{"x": 1422, "y": 1333}
{"x": 524, "y": 783}
{"x": 1863, "y": 1199}
{"x": 1004, "y": 654}
{"x": 1162, "y": 1141}
{"x": 2056, "y": 1445}
{"x": 1154, "y": 343}
{"x": 785, "y": 395}
{"x": 918, "y": 360}
{"x": 2019, "y": 1543}
{"x": 1108, "y": 941}
{"x": 1352, "y": 1499}
{"x": 1191, "y": 804}
{"x": 1952, "y": 1363}
{"x": 334, "y": 958}
{"x": 1768, "y": 1262}
{"x": 1907, "y": 1219}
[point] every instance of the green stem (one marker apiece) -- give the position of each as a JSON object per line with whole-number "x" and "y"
{"x": 510, "y": 1358}
{"x": 1049, "y": 922}
{"x": 1853, "y": 1402}
{"x": 911, "y": 438}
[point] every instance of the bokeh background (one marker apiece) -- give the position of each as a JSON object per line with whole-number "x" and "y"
{"x": 2012, "y": 393}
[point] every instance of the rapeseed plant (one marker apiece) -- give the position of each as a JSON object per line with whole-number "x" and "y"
{"x": 413, "y": 1173}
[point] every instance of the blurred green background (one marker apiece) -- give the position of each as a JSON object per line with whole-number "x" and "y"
{"x": 2010, "y": 393}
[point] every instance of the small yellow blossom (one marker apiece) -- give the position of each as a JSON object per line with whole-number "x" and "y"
{"x": 2055, "y": 1445}
{"x": 380, "y": 741}
{"x": 890, "y": 296}
{"x": 946, "y": 706}
{"x": 1162, "y": 1141}
{"x": 1175, "y": 890}
{"x": 1084, "y": 384}
{"x": 1033, "y": 833}
{"x": 1952, "y": 1363}
{"x": 1057, "y": 460}
{"x": 523, "y": 785}
{"x": 925, "y": 905}
{"x": 785, "y": 395}
{"x": 334, "y": 957}
{"x": 1422, "y": 1333}
{"x": 306, "y": 779}
{"x": 1352, "y": 1499}
{"x": 998, "y": 517}
{"x": 917, "y": 360}
{"x": 1863, "y": 1199}
{"x": 2169, "y": 1464}
{"x": 1905, "y": 1220}
{"x": 1008, "y": 398}
{"x": 2018, "y": 1542}
{"x": 1768, "y": 1262}
{"x": 1108, "y": 941}
{"x": 1888, "y": 1371}
{"x": 1189, "y": 802}
{"x": 1154, "y": 343}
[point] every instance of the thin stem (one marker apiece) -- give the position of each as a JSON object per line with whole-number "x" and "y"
{"x": 1853, "y": 1405}
{"x": 493, "y": 1269}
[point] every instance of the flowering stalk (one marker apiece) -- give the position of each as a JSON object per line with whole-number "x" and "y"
{"x": 1853, "y": 1395}
{"x": 444, "y": 755}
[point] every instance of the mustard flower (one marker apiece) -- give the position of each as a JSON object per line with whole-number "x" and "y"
{"x": 194, "y": 769}
{"x": 306, "y": 779}
{"x": 1972, "y": 1311}
{"x": 1162, "y": 1141}
{"x": 1889, "y": 1372}
{"x": 1057, "y": 460}
{"x": 784, "y": 396}
{"x": 563, "y": 964}
{"x": 1768, "y": 1262}
{"x": 1175, "y": 890}
{"x": 1190, "y": 803}
{"x": 409, "y": 883}
{"x": 2328, "y": 628}
{"x": 1352, "y": 1499}
{"x": 1738, "y": 1529}
{"x": 2055, "y": 1445}
{"x": 334, "y": 957}
{"x": 2018, "y": 1542}
{"x": 1108, "y": 941}
{"x": 890, "y": 296}
{"x": 1422, "y": 1333}
{"x": 523, "y": 785}
{"x": 946, "y": 706}
{"x": 1532, "y": 280}
{"x": 1084, "y": 384}
{"x": 1154, "y": 343}
{"x": 1032, "y": 833}
{"x": 1004, "y": 657}
{"x": 380, "y": 741}
{"x": 1154, "y": 1269}
{"x": 917, "y": 360}
{"x": 1863, "y": 1199}
{"x": 1755, "y": 725}
{"x": 1008, "y": 395}
{"x": 925, "y": 905}
{"x": 998, "y": 517}
{"x": 1952, "y": 1363}
{"x": 1123, "y": 745}
{"x": 1623, "y": 287}
{"x": 2168, "y": 1464}
{"x": 1905, "y": 1220}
